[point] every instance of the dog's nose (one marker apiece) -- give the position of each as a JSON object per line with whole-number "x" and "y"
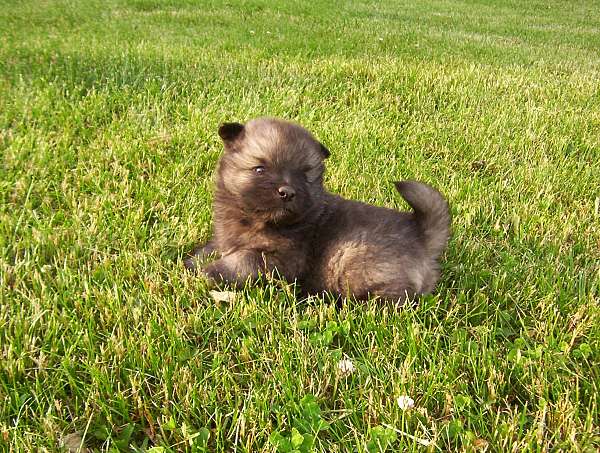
{"x": 286, "y": 193}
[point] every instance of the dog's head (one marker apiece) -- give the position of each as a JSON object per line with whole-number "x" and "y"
{"x": 273, "y": 168}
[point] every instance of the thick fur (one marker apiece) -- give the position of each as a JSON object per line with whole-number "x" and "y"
{"x": 320, "y": 240}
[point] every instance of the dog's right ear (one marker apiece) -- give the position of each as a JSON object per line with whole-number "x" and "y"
{"x": 324, "y": 151}
{"x": 230, "y": 132}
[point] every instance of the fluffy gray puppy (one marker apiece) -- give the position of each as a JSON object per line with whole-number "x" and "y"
{"x": 272, "y": 215}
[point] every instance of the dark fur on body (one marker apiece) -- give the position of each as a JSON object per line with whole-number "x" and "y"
{"x": 272, "y": 215}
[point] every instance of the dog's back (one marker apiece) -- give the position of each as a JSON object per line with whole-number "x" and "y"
{"x": 366, "y": 251}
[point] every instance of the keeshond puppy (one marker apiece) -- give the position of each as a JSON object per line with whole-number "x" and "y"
{"x": 273, "y": 217}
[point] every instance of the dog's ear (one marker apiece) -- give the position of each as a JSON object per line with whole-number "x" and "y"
{"x": 230, "y": 132}
{"x": 324, "y": 151}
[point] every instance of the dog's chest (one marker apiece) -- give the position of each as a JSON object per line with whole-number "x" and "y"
{"x": 260, "y": 237}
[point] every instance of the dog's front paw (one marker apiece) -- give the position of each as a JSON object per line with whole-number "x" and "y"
{"x": 214, "y": 273}
{"x": 199, "y": 255}
{"x": 191, "y": 263}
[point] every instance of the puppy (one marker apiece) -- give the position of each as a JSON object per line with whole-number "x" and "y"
{"x": 272, "y": 215}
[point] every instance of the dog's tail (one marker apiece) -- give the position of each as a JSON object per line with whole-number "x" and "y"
{"x": 431, "y": 213}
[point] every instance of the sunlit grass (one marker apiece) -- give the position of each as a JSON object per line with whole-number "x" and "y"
{"x": 108, "y": 116}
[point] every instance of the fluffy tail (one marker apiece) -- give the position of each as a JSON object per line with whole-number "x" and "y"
{"x": 431, "y": 213}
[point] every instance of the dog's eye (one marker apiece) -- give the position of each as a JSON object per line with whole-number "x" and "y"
{"x": 259, "y": 170}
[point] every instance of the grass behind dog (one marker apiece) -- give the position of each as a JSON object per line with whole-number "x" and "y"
{"x": 107, "y": 139}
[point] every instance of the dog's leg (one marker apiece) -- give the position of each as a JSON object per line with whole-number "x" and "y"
{"x": 243, "y": 266}
{"x": 236, "y": 269}
{"x": 199, "y": 254}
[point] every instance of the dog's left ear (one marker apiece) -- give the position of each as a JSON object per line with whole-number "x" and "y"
{"x": 324, "y": 151}
{"x": 230, "y": 132}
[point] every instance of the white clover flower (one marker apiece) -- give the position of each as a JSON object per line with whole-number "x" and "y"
{"x": 405, "y": 402}
{"x": 345, "y": 367}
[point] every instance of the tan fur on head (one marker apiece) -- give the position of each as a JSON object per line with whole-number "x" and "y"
{"x": 273, "y": 142}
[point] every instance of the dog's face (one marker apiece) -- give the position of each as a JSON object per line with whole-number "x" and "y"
{"x": 273, "y": 168}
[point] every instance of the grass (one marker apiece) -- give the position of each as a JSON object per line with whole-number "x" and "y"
{"x": 108, "y": 116}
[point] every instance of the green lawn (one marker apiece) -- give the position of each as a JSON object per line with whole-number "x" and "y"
{"x": 108, "y": 117}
